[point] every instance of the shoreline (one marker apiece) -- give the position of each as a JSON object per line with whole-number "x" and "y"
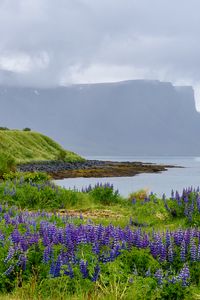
{"x": 93, "y": 168}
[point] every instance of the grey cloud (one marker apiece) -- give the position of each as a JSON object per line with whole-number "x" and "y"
{"x": 80, "y": 40}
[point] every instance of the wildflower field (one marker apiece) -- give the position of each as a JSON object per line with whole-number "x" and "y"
{"x": 144, "y": 248}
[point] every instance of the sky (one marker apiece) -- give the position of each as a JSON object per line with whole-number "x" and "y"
{"x": 49, "y": 43}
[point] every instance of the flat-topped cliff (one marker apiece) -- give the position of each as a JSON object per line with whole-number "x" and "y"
{"x": 135, "y": 117}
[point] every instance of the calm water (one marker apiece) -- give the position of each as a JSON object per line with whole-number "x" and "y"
{"x": 176, "y": 178}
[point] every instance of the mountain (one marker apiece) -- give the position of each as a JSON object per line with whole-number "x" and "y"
{"x": 135, "y": 117}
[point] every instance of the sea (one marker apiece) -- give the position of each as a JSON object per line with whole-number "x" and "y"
{"x": 175, "y": 179}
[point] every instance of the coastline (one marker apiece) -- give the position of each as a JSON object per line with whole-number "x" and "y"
{"x": 93, "y": 168}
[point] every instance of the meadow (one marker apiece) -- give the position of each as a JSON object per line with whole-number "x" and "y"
{"x": 94, "y": 244}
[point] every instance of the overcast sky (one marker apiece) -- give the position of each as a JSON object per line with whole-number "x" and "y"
{"x": 48, "y": 42}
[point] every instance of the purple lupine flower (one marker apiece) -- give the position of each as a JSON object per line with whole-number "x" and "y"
{"x": 48, "y": 252}
{"x": 23, "y": 243}
{"x": 170, "y": 253}
{"x": 56, "y": 267}
{"x": 183, "y": 251}
{"x": 114, "y": 238}
{"x": 177, "y": 197}
{"x": 69, "y": 272}
{"x": 96, "y": 248}
{"x": 144, "y": 243}
{"x": 52, "y": 232}
{"x": 9, "y": 270}
{"x": 33, "y": 239}
{"x": 184, "y": 275}
{"x": 162, "y": 253}
{"x": 178, "y": 237}
{"x": 46, "y": 240}
{"x": 2, "y": 237}
{"x": 153, "y": 249}
{"x": 165, "y": 203}
{"x": 114, "y": 252}
{"x": 146, "y": 199}
{"x": 172, "y": 280}
{"x": 133, "y": 201}
{"x": 11, "y": 253}
{"x": 198, "y": 203}
{"x": 187, "y": 236}
{"x": 193, "y": 251}
{"x": 148, "y": 272}
{"x": 198, "y": 253}
{"x": 15, "y": 236}
{"x": 22, "y": 261}
{"x": 130, "y": 280}
{"x": 84, "y": 268}
{"x": 96, "y": 273}
{"x": 186, "y": 212}
{"x": 137, "y": 239}
{"x": 186, "y": 199}
{"x": 52, "y": 268}
{"x": 7, "y": 218}
{"x": 159, "y": 276}
{"x": 168, "y": 238}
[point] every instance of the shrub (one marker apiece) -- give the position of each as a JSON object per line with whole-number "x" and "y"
{"x": 4, "y": 128}
{"x": 7, "y": 163}
{"x": 105, "y": 194}
{"x": 186, "y": 205}
{"x": 27, "y": 176}
{"x": 139, "y": 195}
{"x": 43, "y": 194}
{"x": 61, "y": 155}
{"x": 27, "y": 129}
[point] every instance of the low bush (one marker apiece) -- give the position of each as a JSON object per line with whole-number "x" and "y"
{"x": 185, "y": 205}
{"x": 41, "y": 195}
{"x": 7, "y": 163}
{"x": 27, "y": 176}
{"x": 27, "y": 129}
{"x": 139, "y": 195}
{"x": 105, "y": 194}
{"x": 4, "y": 128}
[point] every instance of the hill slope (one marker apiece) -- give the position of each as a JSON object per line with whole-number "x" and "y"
{"x": 26, "y": 146}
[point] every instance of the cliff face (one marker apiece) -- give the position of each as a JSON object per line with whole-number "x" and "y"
{"x": 126, "y": 118}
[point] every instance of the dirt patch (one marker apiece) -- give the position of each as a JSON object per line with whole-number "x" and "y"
{"x": 94, "y": 214}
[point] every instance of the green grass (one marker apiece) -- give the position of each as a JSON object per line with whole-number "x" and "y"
{"x": 28, "y": 146}
{"x": 116, "y": 210}
{"x": 118, "y": 279}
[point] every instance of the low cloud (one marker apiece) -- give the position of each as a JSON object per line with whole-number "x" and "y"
{"x": 49, "y": 43}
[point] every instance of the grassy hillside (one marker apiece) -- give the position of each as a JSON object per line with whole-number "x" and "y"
{"x": 26, "y": 146}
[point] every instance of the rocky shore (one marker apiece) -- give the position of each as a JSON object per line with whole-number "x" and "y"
{"x": 92, "y": 168}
